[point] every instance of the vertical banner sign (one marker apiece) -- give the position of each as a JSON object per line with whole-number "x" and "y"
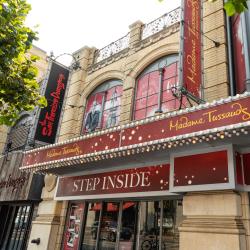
{"x": 49, "y": 116}
{"x": 239, "y": 53}
{"x": 191, "y": 46}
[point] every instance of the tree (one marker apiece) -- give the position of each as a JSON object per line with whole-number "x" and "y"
{"x": 234, "y": 6}
{"x": 19, "y": 90}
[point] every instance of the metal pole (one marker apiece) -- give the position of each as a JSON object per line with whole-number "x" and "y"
{"x": 159, "y": 110}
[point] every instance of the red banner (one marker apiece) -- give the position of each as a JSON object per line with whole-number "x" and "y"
{"x": 191, "y": 60}
{"x": 239, "y": 56}
{"x": 201, "y": 169}
{"x": 213, "y": 117}
{"x": 146, "y": 179}
{"x": 49, "y": 116}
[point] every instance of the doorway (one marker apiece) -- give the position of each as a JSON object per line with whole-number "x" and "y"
{"x": 129, "y": 225}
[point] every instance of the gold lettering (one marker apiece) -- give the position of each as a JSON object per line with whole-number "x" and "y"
{"x": 75, "y": 149}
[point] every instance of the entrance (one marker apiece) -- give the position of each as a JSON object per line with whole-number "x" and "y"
{"x": 15, "y": 225}
{"x": 128, "y": 225}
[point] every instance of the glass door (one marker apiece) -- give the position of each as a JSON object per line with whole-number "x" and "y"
{"x": 149, "y": 225}
{"x": 128, "y": 228}
{"x": 132, "y": 225}
{"x": 109, "y": 225}
{"x": 91, "y": 231}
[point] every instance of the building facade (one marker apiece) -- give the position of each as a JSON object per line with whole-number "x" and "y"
{"x": 139, "y": 164}
{"x": 20, "y": 193}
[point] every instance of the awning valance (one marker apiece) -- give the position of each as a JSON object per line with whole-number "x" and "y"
{"x": 217, "y": 120}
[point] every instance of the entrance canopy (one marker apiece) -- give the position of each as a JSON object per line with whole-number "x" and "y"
{"x": 221, "y": 120}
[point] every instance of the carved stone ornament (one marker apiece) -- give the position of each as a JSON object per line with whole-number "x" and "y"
{"x": 50, "y": 182}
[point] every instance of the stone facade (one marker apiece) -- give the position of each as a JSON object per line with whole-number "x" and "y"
{"x": 214, "y": 220}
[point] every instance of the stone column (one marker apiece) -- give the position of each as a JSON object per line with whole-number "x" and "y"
{"x": 135, "y": 33}
{"x": 213, "y": 221}
{"x": 246, "y": 215}
{"x": 73, "y": 107}
{"x": 46, "y": 224}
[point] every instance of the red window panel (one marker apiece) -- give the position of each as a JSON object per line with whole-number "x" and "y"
{"x": 105, "y": 118}
{"x": 170, "y": 71}
{"x": 142, "y": 87}
{"x": 169, "y": 83}
{"x": 153, "y": 85}
{"x": 170, "y": 105}
{"x": 151, "y": 110}
{"x": 141, "y": 103}
{"x": 140, "y": 114}
{"x": 152, "y": 100}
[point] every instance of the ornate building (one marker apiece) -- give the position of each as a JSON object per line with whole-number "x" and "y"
{"x": 139, "y": 164}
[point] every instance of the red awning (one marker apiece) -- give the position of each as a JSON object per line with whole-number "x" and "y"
{"x": 111, "y": 207}
{"x": 127, "y": 205}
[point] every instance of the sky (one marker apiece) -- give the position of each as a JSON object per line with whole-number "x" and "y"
{"x": 65, "y": 26}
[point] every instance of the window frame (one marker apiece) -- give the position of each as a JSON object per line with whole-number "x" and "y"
{"x": 102, "y": 88}
{"x": 155, "y": 66}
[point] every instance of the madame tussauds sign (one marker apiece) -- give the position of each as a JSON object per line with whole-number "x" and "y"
{"x": 146, "y": 179}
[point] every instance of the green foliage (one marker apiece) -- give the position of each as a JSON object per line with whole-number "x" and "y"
{"x": 234, "y": 6}
{"x": 19, "y": 90}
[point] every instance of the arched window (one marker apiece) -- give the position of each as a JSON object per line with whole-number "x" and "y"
{"x": 154, "y": 88}
{"x": 18, "y": 134}
{"x": 103, "y": 106}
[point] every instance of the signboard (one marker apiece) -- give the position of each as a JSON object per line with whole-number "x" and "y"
{"x": 191, "y": 49}
{"x": 239, "y": 54}
{"x": 49, "y": 116}
{"x": 222, "y": 115}
{"x": 16, "y": 185}
{"x": 146, "y": 181}
{"x": 206, "y": 169}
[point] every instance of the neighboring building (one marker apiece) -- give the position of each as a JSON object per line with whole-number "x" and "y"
{"x": 20, "y": 192}
{"x": 135, "y": 167}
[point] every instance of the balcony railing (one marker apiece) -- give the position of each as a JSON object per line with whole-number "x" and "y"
{"x": 148, "y": 30}
{"x": 112, "y": 48}
{"x": 161, "y": 23}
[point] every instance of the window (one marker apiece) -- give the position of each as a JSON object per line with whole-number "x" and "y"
{"x": 154, "y": 88}
{"x": 103, "y": 106}
{"x": 18, "y": 134}
{"x": 128, "y": 225}
{"x": 15, "y": 220}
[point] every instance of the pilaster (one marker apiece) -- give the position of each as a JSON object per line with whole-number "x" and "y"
{"x": 213, "y": 221}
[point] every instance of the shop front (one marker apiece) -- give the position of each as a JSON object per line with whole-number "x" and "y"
{"x": 20, "y": 194}
{"x": 130, "y": 186}
{"x": 125, "y": 209}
